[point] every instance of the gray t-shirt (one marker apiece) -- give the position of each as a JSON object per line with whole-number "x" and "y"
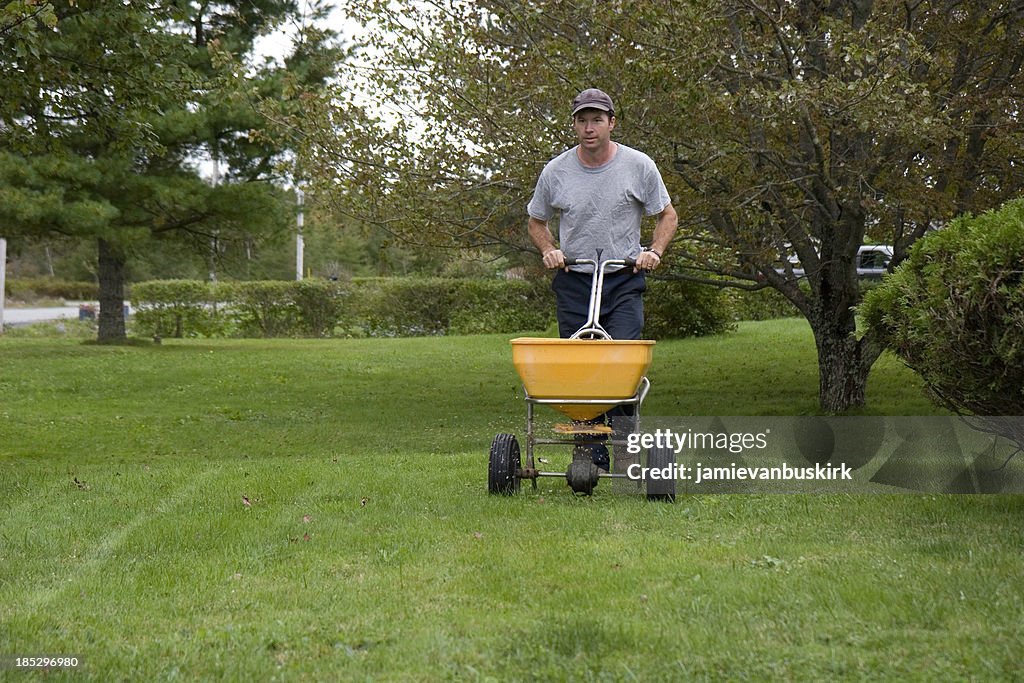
{"x": 601, "y": 207}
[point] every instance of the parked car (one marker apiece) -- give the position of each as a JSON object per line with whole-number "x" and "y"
{"x": 872, "y": 262}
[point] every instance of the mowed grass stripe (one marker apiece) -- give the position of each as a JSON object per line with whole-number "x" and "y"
{"x": 106, "y": 543}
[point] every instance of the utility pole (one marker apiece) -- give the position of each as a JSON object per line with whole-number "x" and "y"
{"x": 300, "y": 246}
{"x": 213, "y": 240}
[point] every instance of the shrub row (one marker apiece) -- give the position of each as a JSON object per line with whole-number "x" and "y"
{"x": 383, "y": 307}
{"x": 34, "y": 288}
{"x": 763, "y": 304}
{"x": 377, "y": 307}
{"x": 394, "y": 306}
{"x": 675, "y": 309}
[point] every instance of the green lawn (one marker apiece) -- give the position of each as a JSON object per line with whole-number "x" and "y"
{"x": 316, "y": 510}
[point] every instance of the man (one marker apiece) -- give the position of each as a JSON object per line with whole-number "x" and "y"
{"x": 602, "y": 190}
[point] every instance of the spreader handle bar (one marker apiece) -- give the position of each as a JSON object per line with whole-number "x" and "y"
{"x": 631, "y": 263}
{"x": 592, "y": 328}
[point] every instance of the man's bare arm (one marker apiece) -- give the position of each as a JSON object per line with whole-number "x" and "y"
{"x": 664, "y": 231}
{"x": 541, "y": 237}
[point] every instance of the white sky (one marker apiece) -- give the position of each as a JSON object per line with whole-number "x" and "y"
{"x": 278, "y": 44}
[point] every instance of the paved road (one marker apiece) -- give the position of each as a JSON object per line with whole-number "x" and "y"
{"x": 24, "y": 316}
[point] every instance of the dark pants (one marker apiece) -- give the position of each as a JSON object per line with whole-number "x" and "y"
{"x": 621, "y": 316}
{"x": 622, "y": 303}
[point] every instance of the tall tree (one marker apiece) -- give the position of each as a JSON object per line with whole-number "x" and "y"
{"x": 107, "y": 108}
{"x": 790, "y": 128}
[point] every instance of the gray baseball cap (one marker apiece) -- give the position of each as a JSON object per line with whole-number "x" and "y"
{"x": 592, "y": 98}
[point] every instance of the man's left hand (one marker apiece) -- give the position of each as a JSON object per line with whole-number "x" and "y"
{"x": 646, "y": 261}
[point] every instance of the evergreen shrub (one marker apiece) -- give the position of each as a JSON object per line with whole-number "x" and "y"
{"x": 954, "y": 312}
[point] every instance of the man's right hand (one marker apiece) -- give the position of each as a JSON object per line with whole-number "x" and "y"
{"x": 554, "y": 259}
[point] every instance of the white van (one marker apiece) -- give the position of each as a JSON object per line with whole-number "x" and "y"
{"x": 872, "y": 262}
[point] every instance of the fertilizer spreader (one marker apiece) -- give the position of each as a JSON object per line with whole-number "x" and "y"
{"x": 582, "y": 377}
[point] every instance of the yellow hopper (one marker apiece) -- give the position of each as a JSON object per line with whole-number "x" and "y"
{"x": 591, "y": 370}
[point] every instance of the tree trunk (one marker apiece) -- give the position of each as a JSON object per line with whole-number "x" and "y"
{"x": 843, "y": 365}
{"x": 111, "y": 274}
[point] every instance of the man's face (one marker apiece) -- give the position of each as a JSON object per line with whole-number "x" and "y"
{"x": 593, "y": 128}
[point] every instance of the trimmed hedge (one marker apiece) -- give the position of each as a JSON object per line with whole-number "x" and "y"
{"x": 501, "y": 306}
{"x": 763, "y": 304}
{"x": 376, "y": 307}
{"x": 262, "y": 308}
{"x": 402, "y": 307}
{"x": 320, "y": 305}
{"x": 34, "y": 288}
{"x": 674, "y": 309}
{"x": 391, "y": 307}
{"x": 954, "y": 312}
{"x": 177, "y": 308}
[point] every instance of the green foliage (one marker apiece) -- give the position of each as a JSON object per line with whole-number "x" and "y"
{"x": 675, "y": 308}
{"x": 263, "y": 308}
{"x": 954, "y": 312}
{"x": 395, "y": 307}
{"x": 765, "y": 124}
{"x": 32, "y": 289}
{"x": 487, "y": 306}
{"x": 320, "y": 304}
{"x": 176, "y": 308}
{"x": 22, "y": 20}
{"x": 57, "y": 192}
{"x": 402, "y": 307}
{"x": 53, "y": 329}
{"x": 763, "y": 304}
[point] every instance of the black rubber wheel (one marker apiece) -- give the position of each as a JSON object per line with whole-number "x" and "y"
{"x": 582, "y": 476}
{"x": 504, "y": 461}
{"x": 661, "y": 489}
